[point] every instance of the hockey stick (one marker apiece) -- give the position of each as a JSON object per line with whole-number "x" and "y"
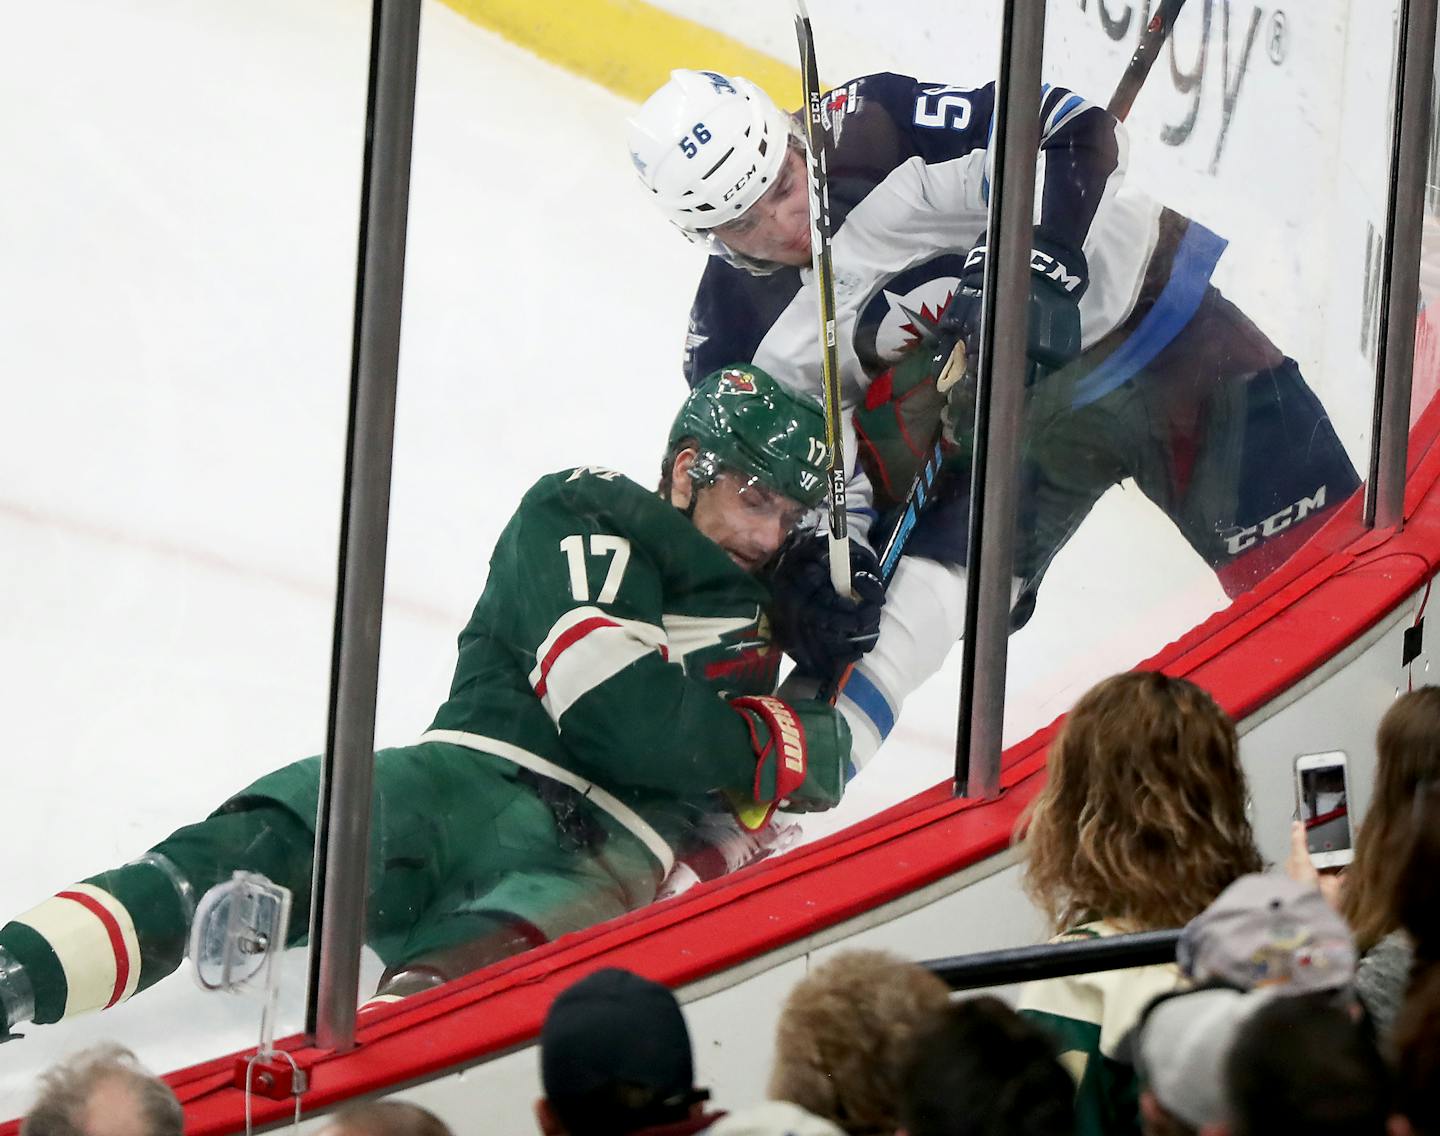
{"x": 817, "y": 148}
{"x": 1156, "y": 32}
{"x": 921, "y": 491}
{"x": 1146, "y": 52}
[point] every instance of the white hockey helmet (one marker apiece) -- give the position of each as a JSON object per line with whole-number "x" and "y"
{"x": 707, "y": 146}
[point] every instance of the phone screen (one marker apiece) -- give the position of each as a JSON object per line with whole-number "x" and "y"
{"x": 1324, "y": 808}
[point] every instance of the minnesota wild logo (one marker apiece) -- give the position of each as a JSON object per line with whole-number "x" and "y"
{"x": 741, "y": 382}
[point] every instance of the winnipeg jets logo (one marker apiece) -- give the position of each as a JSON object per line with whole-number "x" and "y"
{"x": 905, "y": 310}
{"x": 839, "y": 103}
{"x": 912, "y": 319}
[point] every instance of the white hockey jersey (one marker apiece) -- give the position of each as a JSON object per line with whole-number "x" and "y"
{"x": 908, "y": 182}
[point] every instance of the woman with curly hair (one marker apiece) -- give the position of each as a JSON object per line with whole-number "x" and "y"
{"x": 1141, "y": 824}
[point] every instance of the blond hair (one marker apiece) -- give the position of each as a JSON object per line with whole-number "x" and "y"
{"x": 386, "y": 1118}
{"x": 66, "y": 1091}
{"x": 844, "y": 1037}
{"x": 1407, "y": 747}
{"x": 1142, "y": 819}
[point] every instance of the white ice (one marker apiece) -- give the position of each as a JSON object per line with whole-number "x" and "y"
{"x": 180, "y": 188}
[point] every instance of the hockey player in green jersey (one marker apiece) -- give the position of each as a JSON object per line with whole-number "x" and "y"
{"x": 612, "y": 702}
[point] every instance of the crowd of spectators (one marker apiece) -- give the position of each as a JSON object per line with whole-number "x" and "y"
{"x": 1300, "y": 1000}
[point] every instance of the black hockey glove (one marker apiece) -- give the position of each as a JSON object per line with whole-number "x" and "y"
{"x": 1058, "y": 278}
{"x": 821, "y": 631}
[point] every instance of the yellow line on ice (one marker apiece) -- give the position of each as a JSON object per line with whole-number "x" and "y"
{"x": 627, "y": 46}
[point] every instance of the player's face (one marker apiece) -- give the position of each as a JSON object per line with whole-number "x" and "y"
{"x": 748, "y": 520}
{"x": 777, "y": 227}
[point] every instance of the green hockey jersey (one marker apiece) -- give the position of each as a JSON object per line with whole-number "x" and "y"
{"x": 599, "y": 657}
{"x": 1089, "y": 1015}
{"x": 608, "y": 636}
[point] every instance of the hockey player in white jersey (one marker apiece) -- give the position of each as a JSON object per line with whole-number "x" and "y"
{"x": 1140, "y": 367}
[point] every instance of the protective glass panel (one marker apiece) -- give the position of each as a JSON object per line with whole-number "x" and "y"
{"x": 582, "y": 729}
{"x": 1215, "y": 425}
{"x": 521, "y": 357}
{"x": 1209, "y": 439}
{"x": 178, "y": 280}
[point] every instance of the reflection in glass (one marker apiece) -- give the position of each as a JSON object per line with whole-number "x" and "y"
{"x": 175, "y": 357}
{"x": 180, "y": 401}
{"x": 610, "y": 714}
{"x": 1155, "y": 363}
{"x": 1426, "y": 381}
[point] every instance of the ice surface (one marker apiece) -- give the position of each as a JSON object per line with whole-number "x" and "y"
{"x": 181, "y": 190}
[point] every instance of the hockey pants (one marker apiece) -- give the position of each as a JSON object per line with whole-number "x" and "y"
{"x": 462, "y": 847}
{"x": 1219, "y": 429}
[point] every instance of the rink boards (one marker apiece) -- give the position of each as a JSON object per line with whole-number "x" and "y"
{"x": 1309, "y": 662}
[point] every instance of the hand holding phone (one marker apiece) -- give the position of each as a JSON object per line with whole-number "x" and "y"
{"x": 1322, "y": 800}
{"x": 1301, "y": 868}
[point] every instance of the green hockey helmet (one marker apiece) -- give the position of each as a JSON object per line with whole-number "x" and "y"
{"x": 742, "y": 419}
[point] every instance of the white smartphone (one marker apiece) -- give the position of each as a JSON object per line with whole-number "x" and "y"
{"x": 1322, "y": 800}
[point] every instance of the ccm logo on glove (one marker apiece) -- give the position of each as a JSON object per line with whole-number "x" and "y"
{"x": 1041, "y": 263}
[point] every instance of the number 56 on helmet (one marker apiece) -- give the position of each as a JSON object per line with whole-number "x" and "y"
{"x": 707, "y": 146}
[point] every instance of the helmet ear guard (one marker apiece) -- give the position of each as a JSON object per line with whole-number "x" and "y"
{"x": 705, "y": 469}
{"x": 740, "y": 419}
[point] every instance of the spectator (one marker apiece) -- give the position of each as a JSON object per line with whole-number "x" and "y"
{"x": 843, "y": 1036}
{"x": 1417, "y": 1028}
{"x": 980, "y": 1069}
{"x": 1184, "y": 1040}
{"x": 103, "y": 1091}
{"x": 1407, "y": 749}
{"x": 1417, "y": 1066}
{"x": 385, "y": 1118}
{"x": 1417, "y": 891}
{"x": 1306, "y": 1064}
{"x": 1266, "y": 934}
{"x": 1140, "y": 825}
{"x": 773, "y": 1118}
{"x": 615, "y": 1059}
{"x": 1267, "y": 930}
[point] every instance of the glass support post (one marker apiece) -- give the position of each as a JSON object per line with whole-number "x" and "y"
{"x": 1400, "y": 298}
{"x": 1000, "y": 398}
{"x": 337, "y": 919}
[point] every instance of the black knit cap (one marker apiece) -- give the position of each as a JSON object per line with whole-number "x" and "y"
{"x": 615, "y": 1026}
